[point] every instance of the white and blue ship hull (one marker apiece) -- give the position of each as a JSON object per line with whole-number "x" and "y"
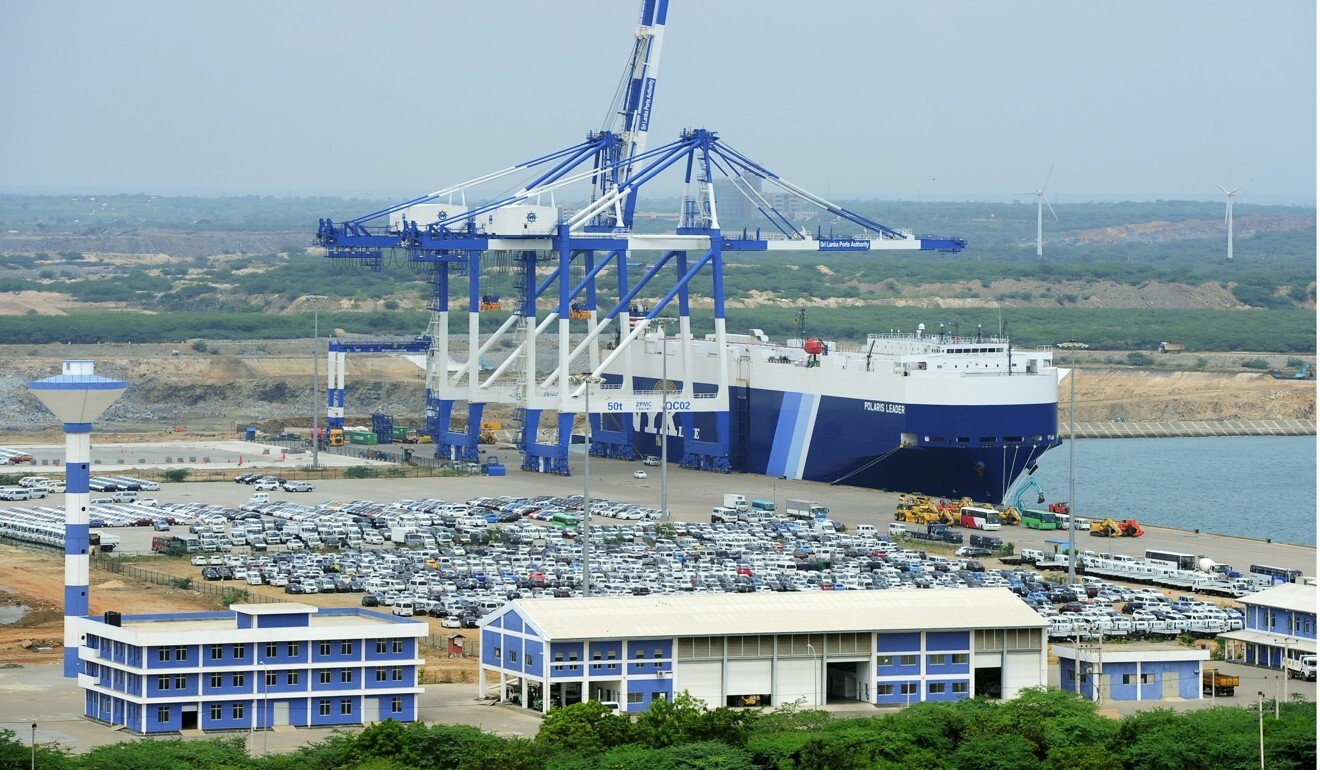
{"x": 961, "y": 425}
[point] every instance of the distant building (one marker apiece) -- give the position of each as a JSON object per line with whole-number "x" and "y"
{"x": 889, "y": 648}
{"x": 253, "y": 667}
{"x": 1132, "y": 672}
{"x": 1280, "y": 621}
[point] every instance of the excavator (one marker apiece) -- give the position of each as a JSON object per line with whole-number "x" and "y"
{"x": 915, "y": 509}
{"x": 1115, "y": 528}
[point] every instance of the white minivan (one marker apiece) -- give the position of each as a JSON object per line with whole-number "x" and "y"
{"x": 867, "y": 530}
{"x": 897, "y": 528}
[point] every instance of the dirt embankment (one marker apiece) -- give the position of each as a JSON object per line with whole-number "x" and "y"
{"x": 1147, "y": 395}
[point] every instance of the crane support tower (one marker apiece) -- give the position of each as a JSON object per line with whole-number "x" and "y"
{"x": 561, "y": 255}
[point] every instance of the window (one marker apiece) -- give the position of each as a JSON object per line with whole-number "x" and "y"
{"x": 240, "y": 679}
{"x": 884, "y": 660}
{"x": 573, "y": 655}
{"x": 884, "y": 689}
{"x": 396, "y": 673}
{"x": 272, "y": 650}
{"x": 1147, "y": 678}
{"x": 396, "y": 705}
{"x": 531, "y": 660}
{"x": 325, "y": 676}
{"x": 907, "y": 660}
{"x": 292, "y": 677}
{"x": 163, "y": 714}
{"x": 345, "y": 648}
{"x": 396, "y": 645}
{"x": 936, "y": 660}
{"x": 346, "y": 706}
{"x": 381, "y": 645}
{"x": 217, "y": 652}
{"x": 559, "y": 657}
{"x": 323, "y": 707}
{"x": 217, "y": 712}
{"x": 611, "y": 655}
{"x": 272, "y": 678}
{"x": 240, "y": 652}
{"x": 238, "y": 711}
{"x": 180, "y": 682}
{"x": 634, "y": 697}
{"x": 595, "y": 655}
{"x": 513, "y": 656}
{"x": 659, "y": 653}
{"x": 640, "y": 654}
{"x": 181, "y": 653}
{"x": 907, "y": 688}
{"x": 498, "y": 653}
{"x": 381, "y": 675}
{"x": 936, "y": 688}
{"x": 294, "y": 649}
{"x": 325, "y": 649}
{"x": 163, "y": 654}
{"x": 960, "y": 688}
{"x": 346, "y": 675}
{"x": 960, "y": 658}
{"x": 163, "y": 683}
{"x": 217, "y": 680}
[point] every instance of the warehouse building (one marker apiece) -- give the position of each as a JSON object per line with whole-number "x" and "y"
{"x": 889, "y": 648}
{"x": 256, "y": 666}
{"x": 1279, "y": 624}
{"x": 1132, "y": 672}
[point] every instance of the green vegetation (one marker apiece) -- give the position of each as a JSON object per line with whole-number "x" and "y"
{"x": 1051, "y": 730}
{"x": 1255, "y": 363}
{"x": 175, "y": 475}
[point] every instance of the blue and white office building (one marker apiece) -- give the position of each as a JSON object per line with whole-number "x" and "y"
{"x": 1132, "y": 672}
{"x": 255, "y": 666}
{"x": 889, "y": 648}
{"x": 1280, "y": 621}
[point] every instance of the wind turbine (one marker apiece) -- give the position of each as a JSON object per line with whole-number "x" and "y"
{"x": 1228, "y": 210}
{"x": 1041, "y": 199}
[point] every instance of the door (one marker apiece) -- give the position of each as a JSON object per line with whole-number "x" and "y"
{"x": 371, "y": 709}
{"x": 1022, "y": 669}
{"x": 281, "y": 715}
{"x": 1169, "y": 681}
{"x": 798, "y": 679}
{"x": 749, "y": 678}
{"x": 188, "y": 718}
{"x": 703, "y": 679}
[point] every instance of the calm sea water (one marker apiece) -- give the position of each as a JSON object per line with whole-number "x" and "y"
{"x": 1255, "y": 486}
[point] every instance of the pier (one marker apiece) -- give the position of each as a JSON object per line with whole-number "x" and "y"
{"x": 1170, "y": 428}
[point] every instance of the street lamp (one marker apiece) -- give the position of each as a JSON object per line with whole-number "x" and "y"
{"x": 815, "y": 696}
{"x": 1072, "y": 345}
{"x": 664, "y": 425}
{"x": 316, "y": 370}
{"x": 34, "y": 746}
{"x": 586, "y": 380}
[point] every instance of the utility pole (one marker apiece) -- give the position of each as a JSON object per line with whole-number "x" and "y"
{"x": 316, "y": 373}
{"x": 1072, "y": 345}
{"x": 1260, "y": 716}
{"x": 34, "y": 746}
{"x": 584, "y": 526}
{"x": 664, "y": 426}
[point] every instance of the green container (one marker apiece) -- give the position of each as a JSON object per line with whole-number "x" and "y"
{"x": 361, "y": 438}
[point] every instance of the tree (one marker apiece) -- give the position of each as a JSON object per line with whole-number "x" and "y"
{"x": 174, "y": 754}
{"x": 176, "y": 475}
{"x": 14, "y": 754}
{"x": 588, "y": 727}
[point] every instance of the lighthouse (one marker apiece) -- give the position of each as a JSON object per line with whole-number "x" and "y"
{"x": 76, "y": 397}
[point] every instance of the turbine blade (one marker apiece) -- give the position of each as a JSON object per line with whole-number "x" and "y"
{"x": 1220, "y": 186}
{"x": 1051, "y": 208}
{"x": 1047, "y": 177}
{"x": 1239, "y": 187}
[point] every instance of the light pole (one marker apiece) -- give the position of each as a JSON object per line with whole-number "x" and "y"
{"x": 316, "y": 372}
{"x": 34, "y": 746}
{"x": 664, "y": 426}
{"x": 815, "y": 684}
{"x": 586, "y": 380}
{"x": 1072, "y": 345}
{"x": 1260, "y": 716}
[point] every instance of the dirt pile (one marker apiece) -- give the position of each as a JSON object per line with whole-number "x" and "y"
{"x": 1152, "y": 395}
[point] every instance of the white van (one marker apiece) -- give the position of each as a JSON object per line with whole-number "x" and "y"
{"x": 259, "y": 497}
{"x": 898, "y": 529}
{"x": 32, "y": 481}
{"x": 867, "y": 530}
{"x": 124, "y": 496}
{"x": 15, "y": 493}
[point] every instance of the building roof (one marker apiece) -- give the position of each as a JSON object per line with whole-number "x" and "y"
{"x": 281, "y": 608}
{"x": 1298, "y": 643}
{"x": 776, "y": 613}
{"x": 1285, "y": 596}
{"x": 1133, "y": 652}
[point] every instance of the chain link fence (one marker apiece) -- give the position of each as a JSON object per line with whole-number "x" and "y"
{"x": 228, "y": 590}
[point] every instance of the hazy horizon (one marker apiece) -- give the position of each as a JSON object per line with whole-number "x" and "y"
{"x": 942, "y": 101}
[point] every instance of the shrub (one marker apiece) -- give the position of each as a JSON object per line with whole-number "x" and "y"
{"x": 233, "y": 596}
{"x": 199, "y": 346}
{"x": 1255, "y": 363}
{"x": 361, "y": 472}
{"x": 176, "y": 475}
{"x": 1137, "y": 358}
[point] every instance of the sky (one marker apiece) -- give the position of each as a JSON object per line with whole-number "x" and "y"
{"x": 915, "y": 100}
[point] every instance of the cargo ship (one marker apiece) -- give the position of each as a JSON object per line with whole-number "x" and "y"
{"x": 937, "y": 413}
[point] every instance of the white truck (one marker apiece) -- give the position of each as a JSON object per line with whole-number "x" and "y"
{"x": 803, "y": 509}
{"x": 724, "y": 515}
{"x": 1301, "y": 668}
{"x": 735, "y": 501}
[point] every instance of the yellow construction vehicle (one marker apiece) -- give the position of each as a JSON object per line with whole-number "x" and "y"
{"x": 1113, "y": 528}
{"x": 491, "y": 302}
{"x": 1010, "y": 516}
{"x": 336, "y": 437}
{"x": 487, "y": 433}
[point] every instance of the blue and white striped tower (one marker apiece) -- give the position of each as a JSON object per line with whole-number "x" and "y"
{"x": 76, "y": 397}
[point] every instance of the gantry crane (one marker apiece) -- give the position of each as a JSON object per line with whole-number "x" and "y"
{"x": 559, "y": 254}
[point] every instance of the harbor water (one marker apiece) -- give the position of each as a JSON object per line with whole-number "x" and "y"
{"x": 1248, "y": 486}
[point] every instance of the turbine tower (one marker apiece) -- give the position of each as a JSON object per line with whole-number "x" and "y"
{"x": 1041, "y": 199}
{"x": 1228, "y": 210}
{"x": 76, "y": 397}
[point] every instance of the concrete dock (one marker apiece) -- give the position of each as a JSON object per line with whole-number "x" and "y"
{"x": 1172, "y": 428}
